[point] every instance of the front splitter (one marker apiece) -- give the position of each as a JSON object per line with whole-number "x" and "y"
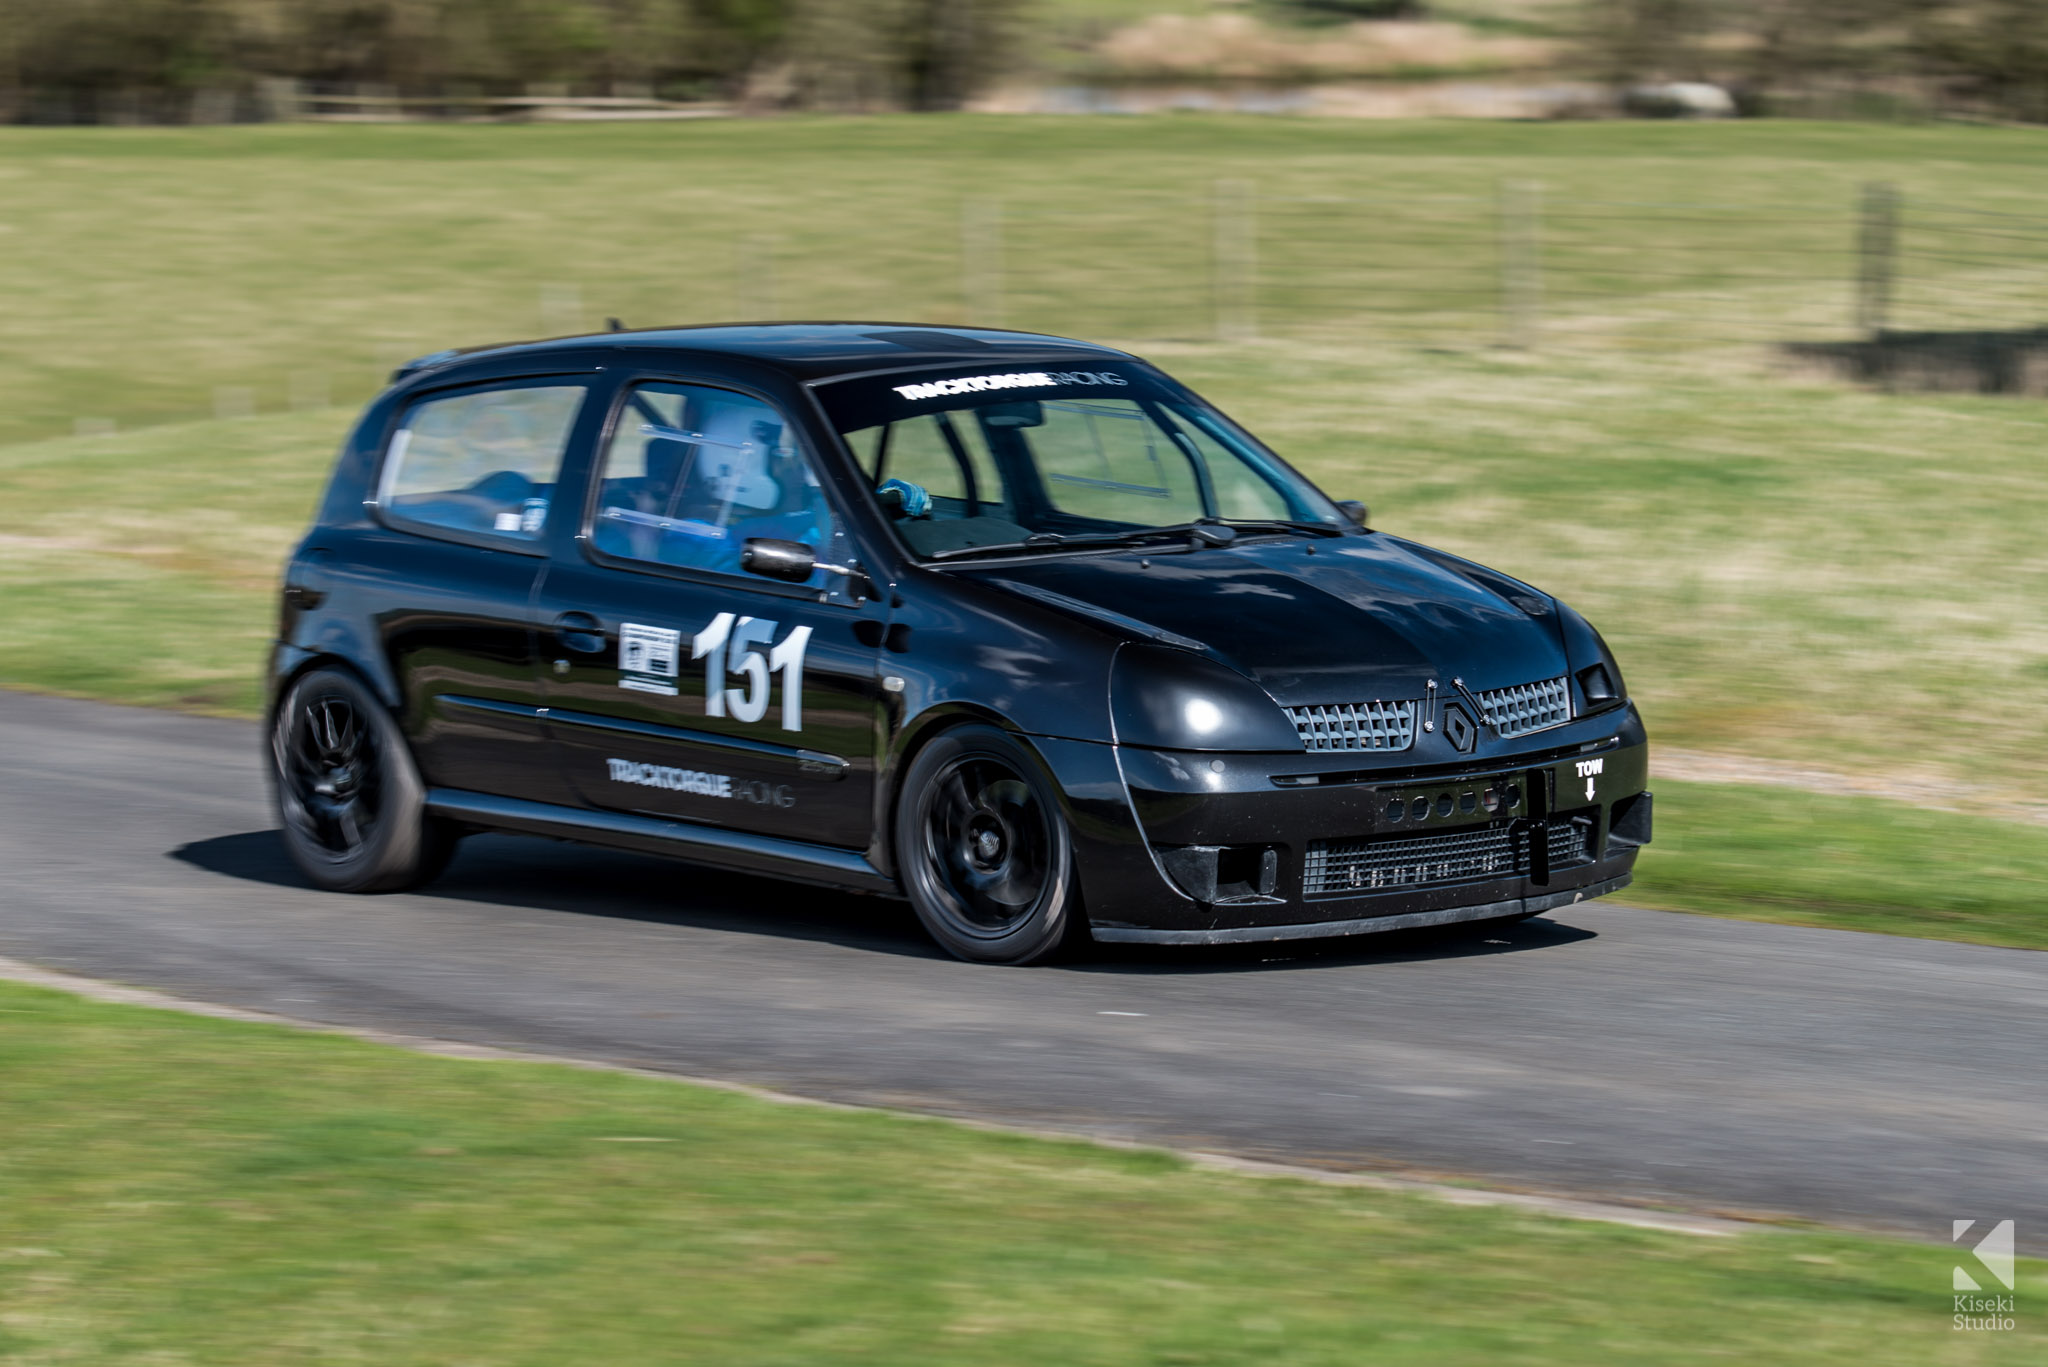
{"x": 1370, "y": 925}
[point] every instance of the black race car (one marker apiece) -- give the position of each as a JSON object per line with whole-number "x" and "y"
{"x": 1013, "y": 626}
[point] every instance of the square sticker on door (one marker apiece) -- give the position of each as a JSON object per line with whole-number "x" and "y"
{"x": 647, "y": 658}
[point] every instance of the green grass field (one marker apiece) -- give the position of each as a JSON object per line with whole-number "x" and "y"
{"x": 144, "y": 269}
{"x": 180, "y": 1190}
{"x": 1849, "y": 863}
{"x": 1790, "y": 569}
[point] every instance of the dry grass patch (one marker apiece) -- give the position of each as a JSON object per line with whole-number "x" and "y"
{"x": 1241, "y": 47}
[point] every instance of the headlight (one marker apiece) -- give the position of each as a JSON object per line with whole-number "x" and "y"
{"x": 1166, "y": 699}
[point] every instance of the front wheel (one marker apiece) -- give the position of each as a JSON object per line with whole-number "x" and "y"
{"x": 984, "y": 852}
{"x": 349, "y": 798}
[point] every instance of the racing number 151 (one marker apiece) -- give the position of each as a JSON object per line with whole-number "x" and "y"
{"x": 733, "y": 645}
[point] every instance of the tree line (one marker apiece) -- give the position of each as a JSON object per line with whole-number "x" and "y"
{"x": 1849, "y": 56}
{"x": 74, "y": 60}
{"x": 161, "y": 60}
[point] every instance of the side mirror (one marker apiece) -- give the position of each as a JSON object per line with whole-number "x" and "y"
{"x": 792, "y": 561}
{"x": 1354, "y": 510}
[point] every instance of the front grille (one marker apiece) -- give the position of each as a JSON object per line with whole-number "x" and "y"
{"x": 1496, "y": 850}
{"x": 1355, "y": 726}
{"x": 1528, "y": 707}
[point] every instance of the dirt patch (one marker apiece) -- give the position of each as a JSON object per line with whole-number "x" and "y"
{"x": 1239, "y": 47}
{"x": 1987, "y": 362}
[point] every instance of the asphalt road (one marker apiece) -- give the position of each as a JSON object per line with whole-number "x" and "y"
{"x": 1606, "y": 1051}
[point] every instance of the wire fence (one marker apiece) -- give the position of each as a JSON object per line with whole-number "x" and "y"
{"x": 1876, "y": 286}
{"x": 1516, "y": 268}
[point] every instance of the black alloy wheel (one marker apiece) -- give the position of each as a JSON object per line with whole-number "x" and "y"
{"x": 983, "y": 850}
{"x": 331, "y": 774}
{"x": 349, "y": 798}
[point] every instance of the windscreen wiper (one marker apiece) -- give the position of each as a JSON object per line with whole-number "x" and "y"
{"x": 1130, "y": 536}
{"x": 1072, "y": 541}
{"x": 1272, "y": 524}
{"x": 1207, "y": 531}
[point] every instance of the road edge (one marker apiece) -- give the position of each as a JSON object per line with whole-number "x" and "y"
{"x": 1559, "y": 1207}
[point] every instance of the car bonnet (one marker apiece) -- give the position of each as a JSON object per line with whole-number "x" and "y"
{"x": 1367, "y": 617}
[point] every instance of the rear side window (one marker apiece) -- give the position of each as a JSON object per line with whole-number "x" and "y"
{"x": 481, "y": 462}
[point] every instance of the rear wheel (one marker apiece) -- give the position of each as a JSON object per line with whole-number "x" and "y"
{"x": 984, "y": 851}
{"x": 349, "y": 798}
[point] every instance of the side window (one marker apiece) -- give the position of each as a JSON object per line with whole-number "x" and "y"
{"x": 481, "y": 461}
{"x": 692, "y": 473}
{"x": 1105, "y": 459}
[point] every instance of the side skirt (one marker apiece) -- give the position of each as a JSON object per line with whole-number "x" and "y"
{"x": 740, "y": 850}
{"x": 1372, "y": 925}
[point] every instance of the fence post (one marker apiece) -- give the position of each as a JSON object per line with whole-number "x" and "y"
{"x": 1521, "y": 262}
{"x": 1877, "y": 249}
{"x": 1236, "y": 262}
{"x": 283, "y": 100}
{"x": 981, "y": 261}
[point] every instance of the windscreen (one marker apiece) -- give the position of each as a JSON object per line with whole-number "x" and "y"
{"x": 975, "y": 459}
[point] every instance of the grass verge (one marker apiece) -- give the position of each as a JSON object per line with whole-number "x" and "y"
{"x": 176, "y": 1189}
{"x": 142, "y": 568}
{"x": 1847, "y": 863}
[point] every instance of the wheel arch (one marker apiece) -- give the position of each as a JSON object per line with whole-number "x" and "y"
{"x": 406, "y": 844}
{"x": 290, "y": 663}
{"x": 911, "y": 739}
{"x": 1028, "y": 755}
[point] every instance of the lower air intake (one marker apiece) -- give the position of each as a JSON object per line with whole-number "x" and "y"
{"x": 1336, "y": 868}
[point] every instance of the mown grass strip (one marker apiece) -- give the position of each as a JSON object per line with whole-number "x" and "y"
{"x": 182, "y": 1189}
{"x": 1848, "y": 863}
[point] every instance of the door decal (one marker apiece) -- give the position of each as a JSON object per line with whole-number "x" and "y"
{"x": 745, "y": 649}
{"x": 647, "y": 658}
{"x": 697, "y": 783}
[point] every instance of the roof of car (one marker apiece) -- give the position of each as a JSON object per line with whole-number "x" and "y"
{"x": 807, "y": 351}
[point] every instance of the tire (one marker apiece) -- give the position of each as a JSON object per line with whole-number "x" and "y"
{"x": 349, "y": 797}
{"x": 983, "y": 850}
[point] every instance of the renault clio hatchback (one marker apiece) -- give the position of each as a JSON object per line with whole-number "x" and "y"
{"x": 1013, "y": 626}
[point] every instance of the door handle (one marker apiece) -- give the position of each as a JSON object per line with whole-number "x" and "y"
{"x": 580, "y": 632}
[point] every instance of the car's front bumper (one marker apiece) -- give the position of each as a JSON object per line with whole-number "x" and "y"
{"x": 1198, "y": 848}
{"x": 1111, "y": 933}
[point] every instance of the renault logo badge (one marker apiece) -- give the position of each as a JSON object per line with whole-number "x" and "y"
{"x": 1459, "y": 729}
